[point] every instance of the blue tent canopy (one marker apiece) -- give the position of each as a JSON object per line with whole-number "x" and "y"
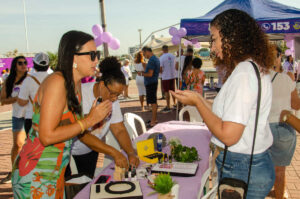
{"x": 274, "y": 18}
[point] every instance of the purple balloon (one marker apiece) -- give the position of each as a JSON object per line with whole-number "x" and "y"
{"x": 289, "y": 43}
{"x": 98, "y": 41}
{"x": 194, "y": 41}
{"x": 182, "y": 32}
{"x": 173, "y": 31}
{"x": 114, "y": 44}
{"x": 288, "y": 52}
{"x": 97, "y": 29}
{"x": 176, "y": 40}
{"x": 106, "y": 37}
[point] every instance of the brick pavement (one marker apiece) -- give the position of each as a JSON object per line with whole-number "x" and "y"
{"x": 293, "y": 171}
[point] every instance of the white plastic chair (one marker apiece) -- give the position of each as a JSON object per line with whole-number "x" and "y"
{"x": 193, "y": 112}
{"x": 129, "y": 119}
{"x": 211, "y": 193}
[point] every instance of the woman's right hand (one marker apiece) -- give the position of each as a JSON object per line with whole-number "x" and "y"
{"x": 187, "y": 97}
{"x": 98, "y": 112}
{"x": 120, "y": 160}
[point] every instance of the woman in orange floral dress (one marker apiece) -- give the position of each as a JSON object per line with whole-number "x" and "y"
{"x": 195, "y": 77}
{"x": 38, "y": 171}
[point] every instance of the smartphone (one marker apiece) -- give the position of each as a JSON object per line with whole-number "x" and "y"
{"x": 99, "y": 100}
{"x": 103, "y": 179}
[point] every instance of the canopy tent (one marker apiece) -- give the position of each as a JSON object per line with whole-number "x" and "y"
{"x": 157, "y": 43}
{"x": 276, "y": 19}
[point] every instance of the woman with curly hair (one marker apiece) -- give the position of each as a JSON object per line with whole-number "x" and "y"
{"x": 140, "y": 67}
{"x": 236, "y": 40}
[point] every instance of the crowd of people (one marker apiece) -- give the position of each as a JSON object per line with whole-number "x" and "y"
{"x": 57, "y": 115}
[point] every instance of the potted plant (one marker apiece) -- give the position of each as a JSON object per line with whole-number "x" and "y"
{"x": 163, "y": 184}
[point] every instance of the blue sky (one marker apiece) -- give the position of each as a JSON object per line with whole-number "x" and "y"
{"x": 47, "y": 20}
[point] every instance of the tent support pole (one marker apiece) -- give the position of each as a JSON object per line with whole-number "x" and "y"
{"x": 178, "y": 75}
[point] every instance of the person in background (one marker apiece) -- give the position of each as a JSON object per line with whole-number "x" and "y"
{"x": 237, "y": 39}
{"x": 109, "y": 88}
{"x": 167, "y": 68}
{"x": 57, "y": 118}
{"x": 31, "y": 85}
{"x": 5, "y": 73}
{"x": 287, "y": 117}
{"x": 195, "y": 77}
{"x": 9, "y": 95}
{"x": 151, "y": 81}
{"x": 179, "y": 59}
{"x": 288, "y": 66}
{"x": 284, "y": 97}
{"x": 127, "y": 73}
{"x": 139, "y": 79}
{"x": 187, "y": 66}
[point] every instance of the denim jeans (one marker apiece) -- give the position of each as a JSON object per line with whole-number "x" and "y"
{"x": 262, "y": 171}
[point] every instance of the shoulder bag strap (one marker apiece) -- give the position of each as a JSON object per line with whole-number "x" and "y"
{"x": 37, "y": 81}
{"x": 274, "y": 77}
{"x": 255, "y": 128}
{"x": 256, "y": 117}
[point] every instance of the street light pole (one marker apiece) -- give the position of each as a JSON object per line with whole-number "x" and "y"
{"x": 102, "y": 10}
{"x": 25, "y": 24}
{"x": 140, "y": 30}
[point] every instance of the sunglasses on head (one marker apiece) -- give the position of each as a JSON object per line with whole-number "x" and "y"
{"x": 93, "y": 54}
{"x": 22, "y": 62}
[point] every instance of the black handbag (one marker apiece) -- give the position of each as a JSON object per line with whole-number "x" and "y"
{"x": 231, "y": 188}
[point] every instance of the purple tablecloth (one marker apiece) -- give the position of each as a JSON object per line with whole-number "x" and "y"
{"x": 190, "y": 135}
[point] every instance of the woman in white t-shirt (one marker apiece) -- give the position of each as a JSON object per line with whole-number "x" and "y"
{"x": 285, "y": 97}
{"x": 127, "y": 73}
{"x": 9, "y": 95}
{"x": 139, "y": 79}
{"x": 111, "y": 85}
{"x": 236, "y": 40}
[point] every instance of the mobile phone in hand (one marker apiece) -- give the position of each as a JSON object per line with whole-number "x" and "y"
{"x": 103, "y": 179}
{"x": 99, "y": 100}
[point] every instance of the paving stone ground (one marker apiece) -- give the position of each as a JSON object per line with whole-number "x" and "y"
{"x": 131, "y": 105}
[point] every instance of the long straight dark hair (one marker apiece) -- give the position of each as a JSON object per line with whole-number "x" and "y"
{"x": 70, "y": 43}
{"x": 10, "y": 81}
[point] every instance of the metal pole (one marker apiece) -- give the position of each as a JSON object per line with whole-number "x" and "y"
{"x": 102, "y": 10}
{"x": 25, "y": 24}
{"x": 140, "y": 30}
{"x": 178, "y": 75}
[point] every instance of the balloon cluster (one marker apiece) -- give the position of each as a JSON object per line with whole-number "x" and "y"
{"x": 177, "y": 34}
{"x": 105, "y": 37}
{"x": 194, "y": 42}
{"x": 290, "y": 44}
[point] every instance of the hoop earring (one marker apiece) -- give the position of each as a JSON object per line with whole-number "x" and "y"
{"x": 74, "y": 65}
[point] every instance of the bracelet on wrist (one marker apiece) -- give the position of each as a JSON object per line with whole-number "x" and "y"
{"x": 81, "y": 126}
{"x": 131, "y": 153}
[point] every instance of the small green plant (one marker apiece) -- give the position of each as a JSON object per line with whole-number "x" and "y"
{"x": 185, "y": 154}
{"x": 163, "y": 183}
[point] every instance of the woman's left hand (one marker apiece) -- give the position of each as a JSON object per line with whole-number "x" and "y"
{"x": 133, "y": 160}
{"x": 187, "y": 97}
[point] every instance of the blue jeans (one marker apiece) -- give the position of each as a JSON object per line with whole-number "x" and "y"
{"x": 262, "y": 171}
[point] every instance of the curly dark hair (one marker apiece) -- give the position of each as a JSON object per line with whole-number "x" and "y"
{"x": 71, "y": 43}
{"x": 110, "y": 67}
{"x": 242, "y": 38}
{"x": 10, "y": 81}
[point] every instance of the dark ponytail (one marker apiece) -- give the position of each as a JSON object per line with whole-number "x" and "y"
{"x": 70, "y": 43}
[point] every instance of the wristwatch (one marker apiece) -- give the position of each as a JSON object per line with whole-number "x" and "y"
{"x": 286, "y": 117}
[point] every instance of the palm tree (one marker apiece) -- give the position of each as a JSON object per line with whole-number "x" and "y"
{"x": 53, "y": 60}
